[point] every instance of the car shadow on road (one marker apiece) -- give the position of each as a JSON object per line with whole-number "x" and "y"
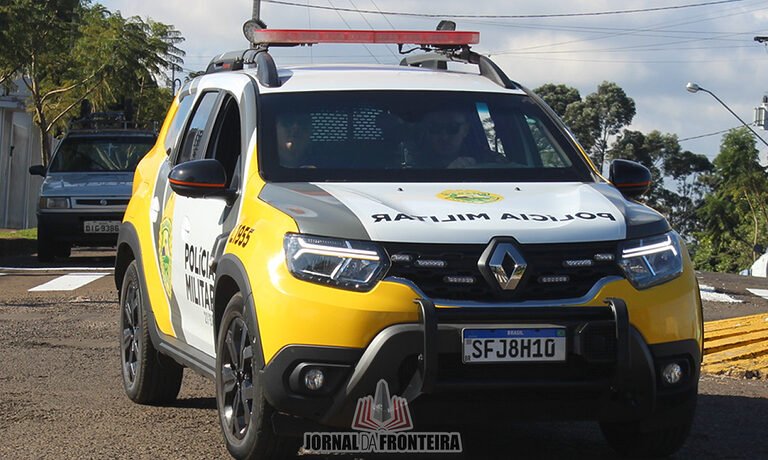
{"x": 196, "y": 403}
{"x": 80, "y": 258}
{"x": 732, "y": 427}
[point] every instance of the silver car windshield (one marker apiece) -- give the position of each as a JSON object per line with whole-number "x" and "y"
{"x": 83, "y": 154}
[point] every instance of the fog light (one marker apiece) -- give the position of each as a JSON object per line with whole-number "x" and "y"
{"x": 314, "y": 379}
{"x": 672, "y": 373}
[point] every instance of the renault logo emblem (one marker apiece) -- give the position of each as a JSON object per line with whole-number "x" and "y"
{"x": 504, "y": 263}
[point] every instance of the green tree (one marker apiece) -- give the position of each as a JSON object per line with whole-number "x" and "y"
{"x": 662, "y": 155}
{"x": 559, "y": 97}
{"x": 600, "y": 116}
{"x": 141, "y": 52}
{"x": 31, "y": 29}
{"x": 734, "y": 216}
{"x": 68, "y": 50}
{"x": 678, "y": 186}
{"x": 8, "y": 61}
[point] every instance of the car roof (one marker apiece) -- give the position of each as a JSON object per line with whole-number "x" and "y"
{"x": 350, "y": 77}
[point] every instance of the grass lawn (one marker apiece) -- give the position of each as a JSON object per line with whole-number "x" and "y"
{"x": 27, "y": 234}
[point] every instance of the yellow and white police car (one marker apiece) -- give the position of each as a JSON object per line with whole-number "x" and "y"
{"x": 298, "y": 234}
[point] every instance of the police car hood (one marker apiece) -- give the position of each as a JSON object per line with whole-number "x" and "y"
{"x": 98, "y": 184}
{"x": 464, "y": 212}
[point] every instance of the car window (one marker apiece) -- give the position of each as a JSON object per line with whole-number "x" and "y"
{"x": 225, "y": 144}
{"x": 546, "y": 149}
{"x": 102, "y": 153}
{"x": 430, "y": 136}
{"x": 193, "y": 145}
{"x": 172, "y": 136}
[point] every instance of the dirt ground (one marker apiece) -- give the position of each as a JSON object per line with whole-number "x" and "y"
{"x": 61, "y": 395}
{"x": 735, "y": 286}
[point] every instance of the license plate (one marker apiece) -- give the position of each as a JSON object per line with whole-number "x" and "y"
{"x": 523, "y": 344}
{"x": 101, "y": 226}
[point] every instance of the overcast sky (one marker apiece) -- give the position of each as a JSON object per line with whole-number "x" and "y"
{"x": 652, "y": 55}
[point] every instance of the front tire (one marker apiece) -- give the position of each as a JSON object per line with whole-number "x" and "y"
{"x": 244, "y": 413}
{"x": 661, "y": 435}
{"x": 46, "y": 249}
{"x": 63, "y": 251}
{"x": 148, "y": 376}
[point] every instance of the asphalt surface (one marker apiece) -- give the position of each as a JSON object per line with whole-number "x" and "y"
{"x": 61, "y": 394}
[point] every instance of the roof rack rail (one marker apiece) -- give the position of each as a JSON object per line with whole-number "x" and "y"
{"x": 89, "y": 120}
{"x": 438, "y": 59}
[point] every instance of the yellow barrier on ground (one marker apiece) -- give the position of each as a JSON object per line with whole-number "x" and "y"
{"x": 737, "y": 347}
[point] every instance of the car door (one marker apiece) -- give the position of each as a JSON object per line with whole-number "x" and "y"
{"x": 201, "y": 225}
{"x": 168, "y": 315}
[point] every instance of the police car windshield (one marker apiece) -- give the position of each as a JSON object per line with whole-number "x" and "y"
{"x": 426, "y": 136}
{"x": 98, "y": 154}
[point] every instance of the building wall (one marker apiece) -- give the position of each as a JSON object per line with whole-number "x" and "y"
{"x": 19, "y": 149}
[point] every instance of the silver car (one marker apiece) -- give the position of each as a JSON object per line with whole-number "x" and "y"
{"x": 86, "y": 189}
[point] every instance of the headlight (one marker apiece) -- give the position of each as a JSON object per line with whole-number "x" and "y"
{"x": 651, "y": 261}
{"x": 54, "y": 203}
{"x": 355, "y": 265}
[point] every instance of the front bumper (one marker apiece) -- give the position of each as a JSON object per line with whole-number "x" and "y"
{"x": 68, "y": 227}
{"x": 610, "y": 372}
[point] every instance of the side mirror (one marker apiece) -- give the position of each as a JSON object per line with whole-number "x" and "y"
{"x": 37, "y": 170}
{"x": 200, "y": 179}
{"x": 631, "y": 178}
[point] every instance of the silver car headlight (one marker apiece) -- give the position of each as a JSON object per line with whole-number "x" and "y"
{"x": 348, "y": 264}
{"x": 651, "y": 261}
{"x": 54, "y": 203}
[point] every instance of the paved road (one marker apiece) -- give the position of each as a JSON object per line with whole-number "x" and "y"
{"x": 61, "y": 395}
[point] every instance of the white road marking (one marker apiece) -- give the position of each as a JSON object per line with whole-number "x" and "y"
{"x": 718, "y": 297}
{"x": 759, "y": 292}
{"x": 68, "y": 282}
{"x": 708, "y": 293}
{"x": 56, "y": 269}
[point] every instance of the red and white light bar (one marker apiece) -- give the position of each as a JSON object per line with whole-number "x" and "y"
{"x": 310, "y": 37}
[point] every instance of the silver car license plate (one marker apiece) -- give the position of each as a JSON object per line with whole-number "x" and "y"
{"x": 101, "y": 226}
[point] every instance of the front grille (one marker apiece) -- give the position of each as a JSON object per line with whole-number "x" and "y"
{"x": 451, "y": 280}
{"x": 102, "y": 202}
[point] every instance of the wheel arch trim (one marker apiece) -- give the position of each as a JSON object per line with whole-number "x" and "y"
{"x": 230, "y": 271}
{"x": 181, "y": 352}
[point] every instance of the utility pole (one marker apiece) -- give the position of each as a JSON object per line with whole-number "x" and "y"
{"x": 255, "y": 23}
{"x": 761, "y": 113}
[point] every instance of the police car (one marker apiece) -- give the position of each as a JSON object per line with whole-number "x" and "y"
{"x": 298, "y": 234}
